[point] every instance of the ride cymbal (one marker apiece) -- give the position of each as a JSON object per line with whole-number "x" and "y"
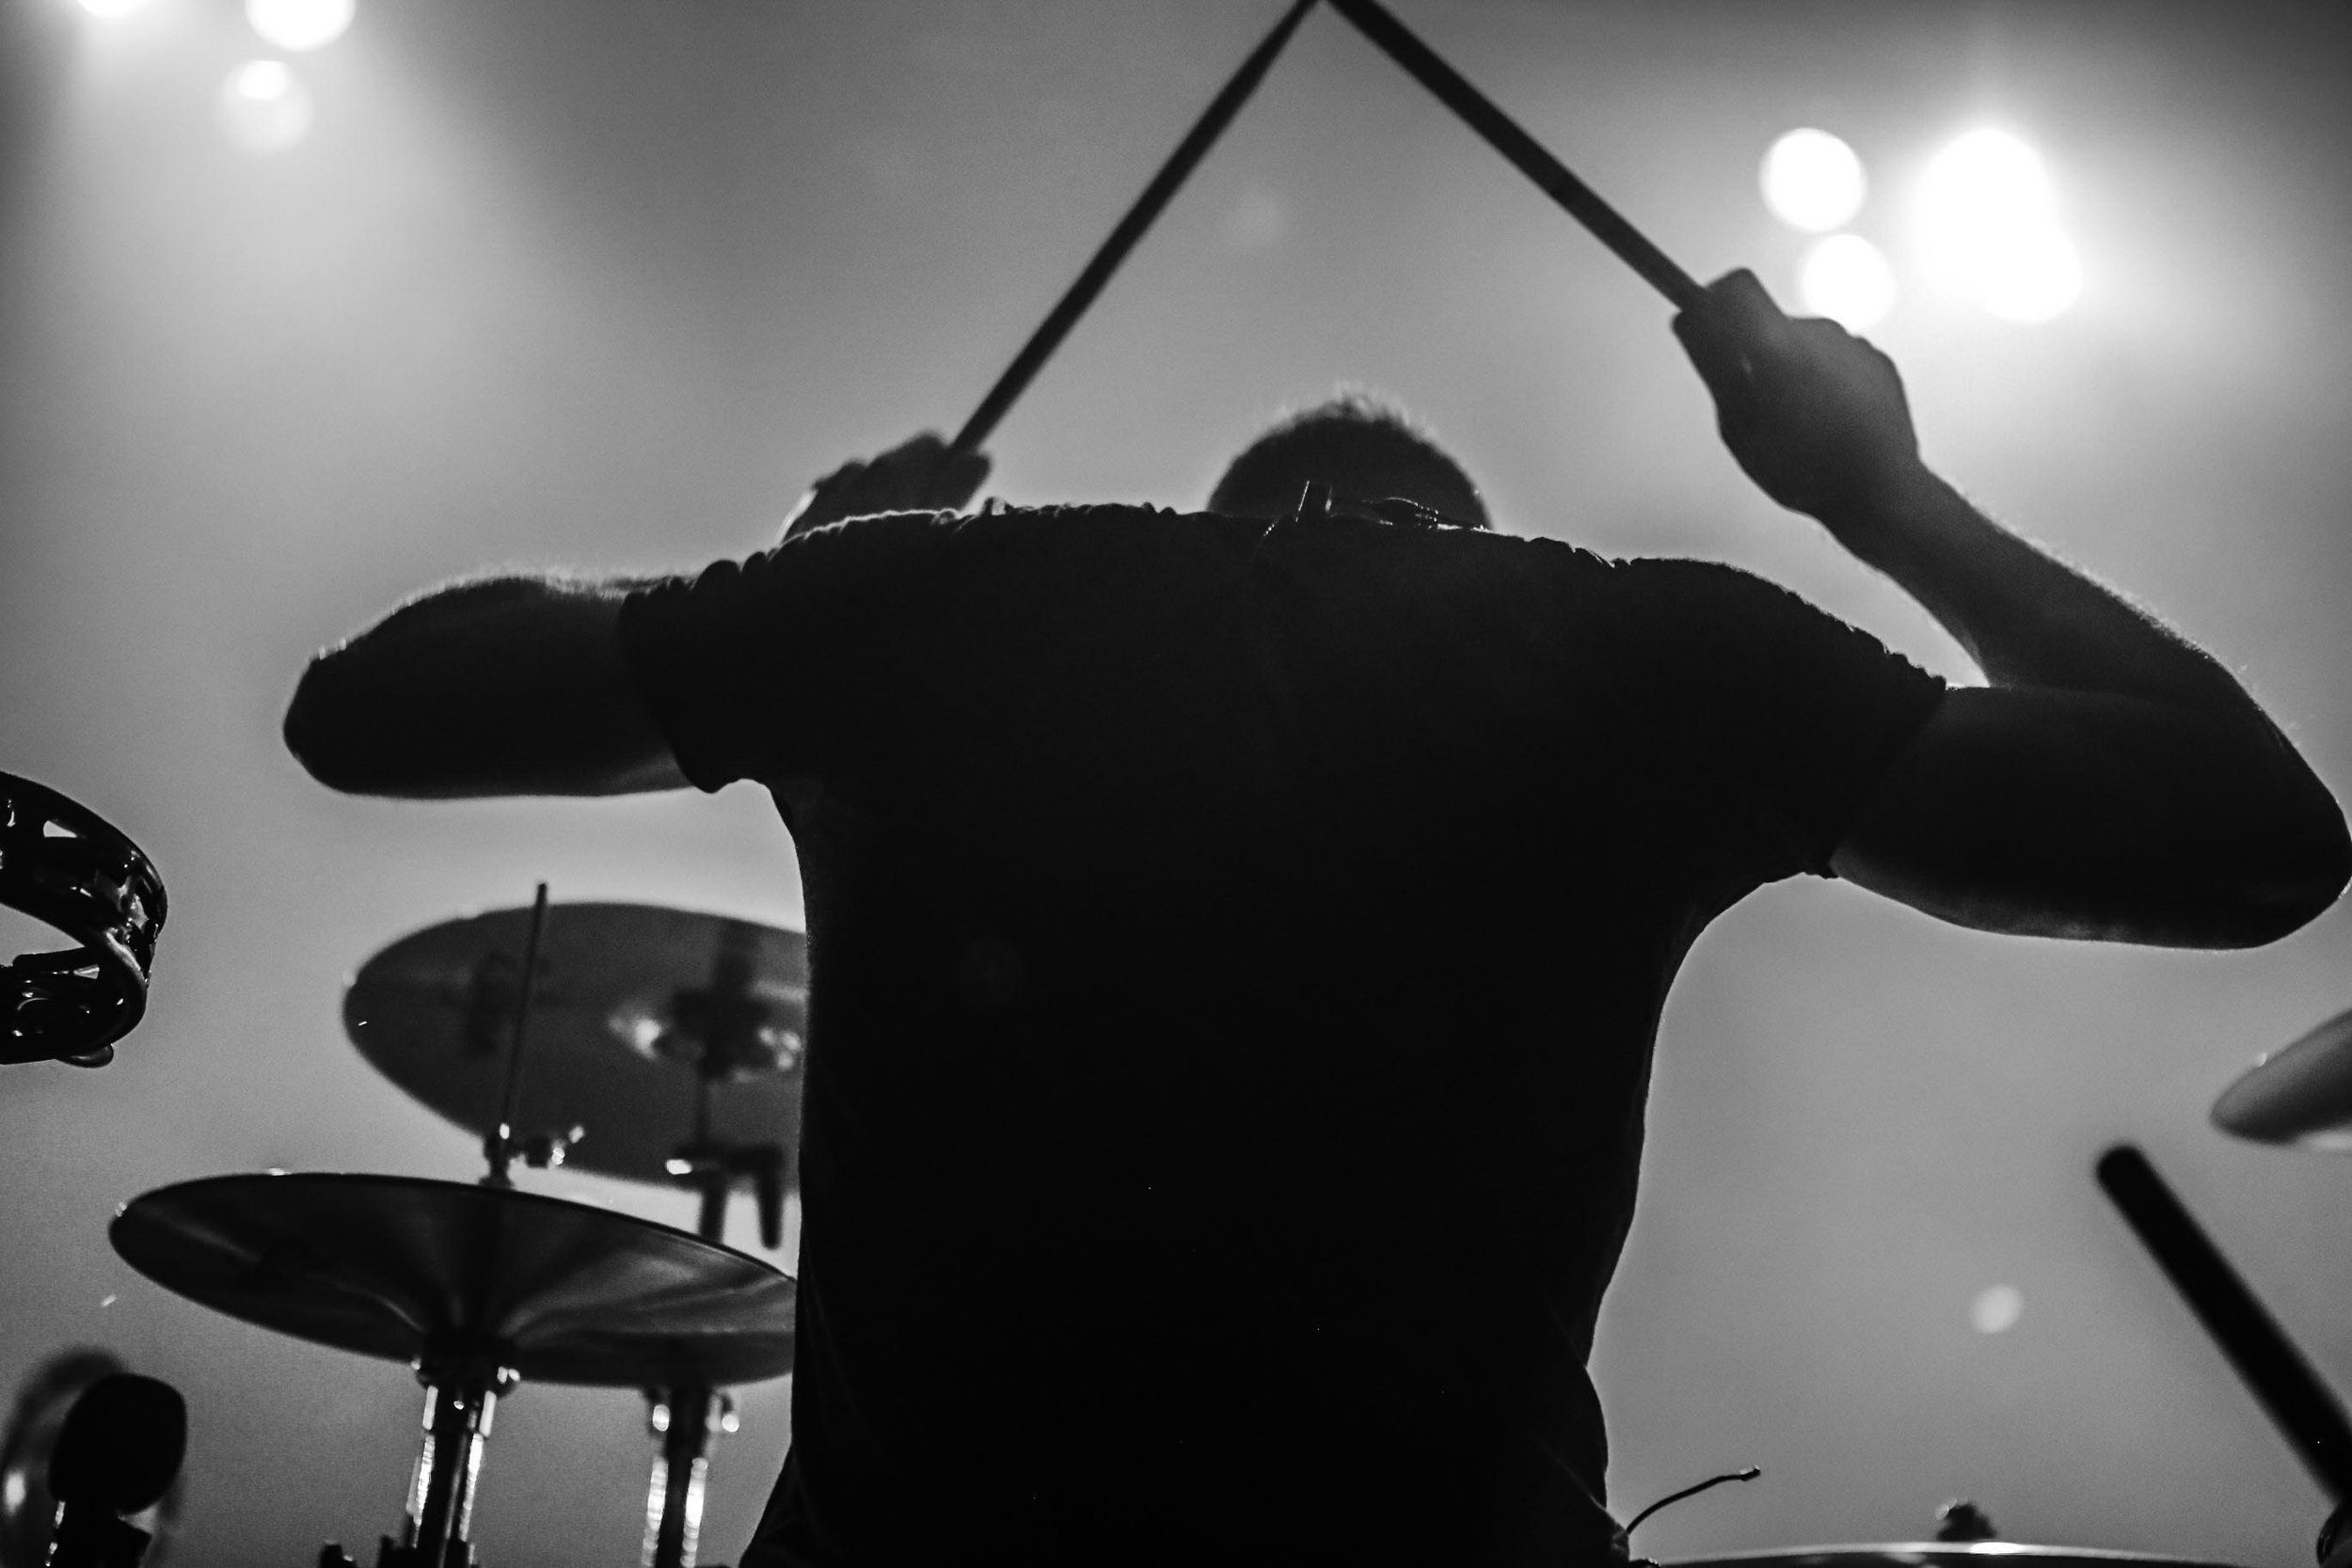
{"x": 650, "y": 1029}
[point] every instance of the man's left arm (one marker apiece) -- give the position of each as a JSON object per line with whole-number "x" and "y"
{"x": 2112, "y": 780}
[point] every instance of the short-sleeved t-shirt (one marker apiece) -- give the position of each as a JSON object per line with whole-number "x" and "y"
{"x": 1235, "y": 956}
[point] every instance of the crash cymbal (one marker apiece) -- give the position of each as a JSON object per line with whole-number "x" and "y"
{"x": 1940, "y": 1554}
{"x": 643, "y": 1019}
{"x": 2299, "y": 1095}
{"x": 413, "y": 1270}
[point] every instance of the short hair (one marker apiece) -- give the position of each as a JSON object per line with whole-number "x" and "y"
{"x": 1362, "y": 446}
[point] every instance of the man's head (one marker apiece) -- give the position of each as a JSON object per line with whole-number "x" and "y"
{"x": 1365, "y": 450}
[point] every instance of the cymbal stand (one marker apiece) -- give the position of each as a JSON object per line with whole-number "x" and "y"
{"x": 461, "y": 1395}
{"x": 462, "y": 1385}
{"x": 686, "y": 1416}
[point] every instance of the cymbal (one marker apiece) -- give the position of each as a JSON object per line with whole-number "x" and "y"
{"x": 1940, "y": 1554}
{"x": 644, "y": 1022}
{"x": 2299, "y": 1095}
{"x": 408, "y": 1269}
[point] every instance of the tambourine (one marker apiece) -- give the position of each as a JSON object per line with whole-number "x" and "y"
{"x": 64, "y": 864}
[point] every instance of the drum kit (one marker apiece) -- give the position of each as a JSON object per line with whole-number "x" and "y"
{"x": 641, "y": 1042}
{"x": 661, "y": 1046}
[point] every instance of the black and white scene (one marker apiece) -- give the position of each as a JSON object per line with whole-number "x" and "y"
{"x": 1118, "y": 783}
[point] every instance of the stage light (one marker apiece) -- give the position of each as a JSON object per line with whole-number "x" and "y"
{"x": 1996, "y": 1309}
{"x": 299, "y": 25}
{"x": 1847, "y": 280}
{"x": 109, "y": 9}
{"x": 264, "y": 106}
{"x": 1988, "y": 226}
{"x": 1812, "y": 180}
{"x": 2033, "y": 278}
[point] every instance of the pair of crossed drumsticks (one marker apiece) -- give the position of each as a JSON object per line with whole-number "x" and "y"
{"x": 1475, "y": 107}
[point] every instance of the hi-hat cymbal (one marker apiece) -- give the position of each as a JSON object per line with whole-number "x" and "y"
{"x": 2299, "y": 1095}
{"x": 410, "y": 1270}
{"x": 640, "y": 1015}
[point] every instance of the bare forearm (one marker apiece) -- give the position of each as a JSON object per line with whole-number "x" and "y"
{"x": 2113, "y": 759}
{"x": 506, "y": 686}
{"x": 2027, "y": 619}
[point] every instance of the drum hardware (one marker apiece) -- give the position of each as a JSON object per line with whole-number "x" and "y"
{"x": 652, "y": 1029}
{"x": 476, "y": 1287}
{"x": 681, "y": 1467}
{"x": 711, "y": 1169}
{"x": 66, "y": 865}
{"x": 670, "y": 1041}
{"x": 1962, "y": 1520}
{"x": 29, "y": 1506}
{"x": 1942, "y": 1554}
{"x": 2334, "y": 1547}
{"x": 2299, "y": 1094}
{"x": 118, "y": 1452}
{"x": 684, "y": 1418}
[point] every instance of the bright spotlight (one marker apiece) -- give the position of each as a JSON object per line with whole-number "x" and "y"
{"x": 1988, "y": 221}
{"x": 264, "y": 106}
{"x": 1989, "y": 177}
{"x": 1812, "y": 180}
{"x": 1846, "y": 278}
{"x": 109, "y": 9}
{"x": 2033, "y": 278}
{"x": 299, "y": 25}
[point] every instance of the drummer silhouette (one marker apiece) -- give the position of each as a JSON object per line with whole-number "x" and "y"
{"x": 1237, "y": 938}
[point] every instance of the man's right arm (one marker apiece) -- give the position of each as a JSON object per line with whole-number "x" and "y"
{"x": 521, "y": 685}
{"x": 498, "y": 686}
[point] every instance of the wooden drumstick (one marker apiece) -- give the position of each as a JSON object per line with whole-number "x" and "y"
{"x": 1156, "y": 195}
{"x": 1503, "y": 134}
{"x": 2272, "y": 1370}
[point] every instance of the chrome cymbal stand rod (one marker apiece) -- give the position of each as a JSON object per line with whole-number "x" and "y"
{"x": 684, "y": 1418}
{"x": 461, "y": 1397}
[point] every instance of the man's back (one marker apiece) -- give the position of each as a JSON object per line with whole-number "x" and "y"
{"x": 1236, "y": 954}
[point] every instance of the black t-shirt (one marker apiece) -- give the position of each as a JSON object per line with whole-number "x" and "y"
{"x": 1237, "y": 952}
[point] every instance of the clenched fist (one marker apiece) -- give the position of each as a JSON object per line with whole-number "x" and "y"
{"x": 1813, "y": 415}
{"x": 923, "y": 474}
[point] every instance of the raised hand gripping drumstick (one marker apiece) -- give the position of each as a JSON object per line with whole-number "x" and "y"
{"x": 1156, "y": 195}
{"x": 1503, "y": 133}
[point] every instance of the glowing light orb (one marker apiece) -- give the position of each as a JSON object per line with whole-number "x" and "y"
{"x": 1812, "y": 180}
{"x": 263, "y": 107}
{"x": 109, "y": 9}
{"x": 1996, "y": 1309}
{"x": 299, "y": 25}
{"x": 1846, "y": 278}
{"x": 2034, "y": 277}
{"x": 1988, "y": 226}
